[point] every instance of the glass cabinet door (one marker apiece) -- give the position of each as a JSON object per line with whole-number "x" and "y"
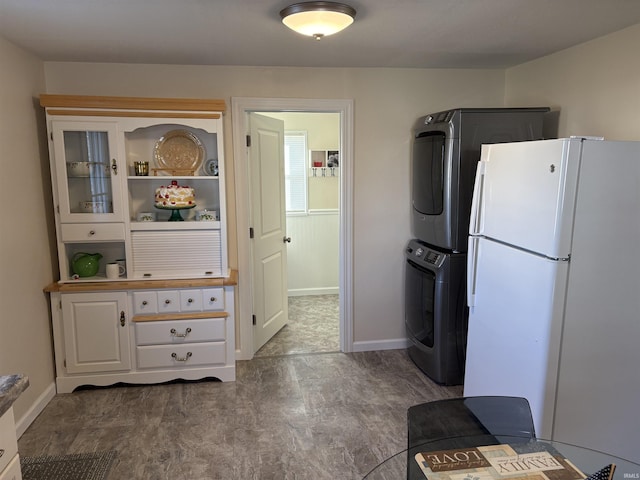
{"x": 88, "y": 172}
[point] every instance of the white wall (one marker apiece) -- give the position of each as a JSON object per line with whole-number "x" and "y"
{"x": 387, "y": 102}
{"x": 595, "y": 85}
{"x": 26, "y": 241}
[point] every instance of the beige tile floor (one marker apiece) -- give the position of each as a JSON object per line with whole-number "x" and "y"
{"x": 302, "y": 416}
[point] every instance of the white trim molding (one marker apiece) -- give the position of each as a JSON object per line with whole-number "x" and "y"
{"x": 392, "y": 344}
{"x": 36, "y": 409}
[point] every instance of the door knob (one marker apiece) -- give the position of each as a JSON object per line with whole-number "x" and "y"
{"x": 286, "y": 239}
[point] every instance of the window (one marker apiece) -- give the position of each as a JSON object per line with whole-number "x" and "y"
{"x": 295, "y": 171}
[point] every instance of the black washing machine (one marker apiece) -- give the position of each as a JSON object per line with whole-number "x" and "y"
{"x": 436, "y": 314}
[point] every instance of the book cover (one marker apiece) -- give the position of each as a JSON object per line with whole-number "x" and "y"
{"x": 497, "y": 462}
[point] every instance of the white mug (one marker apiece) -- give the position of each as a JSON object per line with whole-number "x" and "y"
{"x": 123, "y": 263}
{"x": 114, "y": 270}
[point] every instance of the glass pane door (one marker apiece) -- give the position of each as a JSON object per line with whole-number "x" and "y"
{"x": 87, "y": 171}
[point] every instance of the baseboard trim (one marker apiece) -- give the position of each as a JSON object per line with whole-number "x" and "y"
{"x": 36, "y": 409}
{"x": 299, "y": 292}
{"x": 369, "y": 346}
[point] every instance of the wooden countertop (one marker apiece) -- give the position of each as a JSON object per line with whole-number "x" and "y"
{"x": 231, "y": 280}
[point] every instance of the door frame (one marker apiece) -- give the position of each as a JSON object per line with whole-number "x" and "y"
{"x": 240, "y": 108}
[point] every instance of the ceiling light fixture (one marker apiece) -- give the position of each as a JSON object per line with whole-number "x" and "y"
{"x": 318, "y": 19}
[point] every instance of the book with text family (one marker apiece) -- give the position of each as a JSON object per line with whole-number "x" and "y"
{"x": 498, "y": 462}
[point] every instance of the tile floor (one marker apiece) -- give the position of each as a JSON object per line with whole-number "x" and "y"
{"x": 313, "y": 327}
{"x": 304, "y": 416}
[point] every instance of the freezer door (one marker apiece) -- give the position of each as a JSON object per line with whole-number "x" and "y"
{"x": 525, "y": 194}
{"x": 515, "y": 324}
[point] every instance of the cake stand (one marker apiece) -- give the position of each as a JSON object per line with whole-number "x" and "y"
{"x": 175, "y": 211}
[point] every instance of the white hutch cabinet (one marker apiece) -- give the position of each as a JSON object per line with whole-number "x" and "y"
{"x": 170, "y": 312}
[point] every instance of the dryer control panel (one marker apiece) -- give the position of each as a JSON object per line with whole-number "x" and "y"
{"x": 423, "y": 254}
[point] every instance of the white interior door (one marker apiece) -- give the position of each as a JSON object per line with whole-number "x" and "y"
{"x": 268, "y": 212}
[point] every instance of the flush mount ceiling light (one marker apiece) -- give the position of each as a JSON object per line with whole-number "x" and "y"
{"x": 318, "y": 19}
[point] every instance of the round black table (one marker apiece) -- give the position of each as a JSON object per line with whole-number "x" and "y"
{"x": 587, "y": 460}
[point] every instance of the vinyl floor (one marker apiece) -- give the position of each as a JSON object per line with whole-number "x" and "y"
{"x": 313, "y": 327}
{"x": 314, "y": 416}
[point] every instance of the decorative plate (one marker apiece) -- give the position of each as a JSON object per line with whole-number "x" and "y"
{"x": 179, "y": 149}
{"x": 210, "y": 167}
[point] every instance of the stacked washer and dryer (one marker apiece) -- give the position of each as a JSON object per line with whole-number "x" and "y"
{"x": 446, "y": 150}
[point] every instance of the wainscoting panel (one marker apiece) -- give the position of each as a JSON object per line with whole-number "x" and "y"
{"x": 312, "y": 255}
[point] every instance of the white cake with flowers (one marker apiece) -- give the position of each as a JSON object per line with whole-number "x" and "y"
{"x": 174, "y": 195}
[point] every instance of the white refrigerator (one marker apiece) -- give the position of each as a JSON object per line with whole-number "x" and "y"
{"x": 553, "y": 287}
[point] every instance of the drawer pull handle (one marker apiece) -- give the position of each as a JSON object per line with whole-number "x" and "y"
{"x": 213, "y": 299}
{"x": 190, "y": 300}
{"x": 92, "y": 232}
{"x": 167, "y": 301}
{"x": 174, "y": 333}
{"x": 144, "y": 302}
{"x": 175, "y": 356}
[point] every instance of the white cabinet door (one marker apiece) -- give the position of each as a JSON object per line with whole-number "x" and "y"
{"x": 87, "y": 170}
{"x": 96, "y": 332}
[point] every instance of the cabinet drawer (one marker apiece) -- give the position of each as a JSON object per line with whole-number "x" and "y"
{"x": 168, "y": 301}
{"x": 90, "y": 232}
{"x": 213, "y": 299}
{"x": 188, "y": 355}
{"x": 180, "y": 331}
{"x": 12, "y": 471}
{"x": 145, "y": 303}
{"x": 190, "y": 300}
{"x": 149, "y": 302}
{"x": 8, "y": 441}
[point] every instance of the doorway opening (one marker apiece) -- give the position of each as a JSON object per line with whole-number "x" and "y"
{"x": 340, "y": 156}
{"x": 312, "y": 212}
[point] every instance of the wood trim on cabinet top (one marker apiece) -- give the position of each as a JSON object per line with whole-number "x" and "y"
{"x": 126, "y": 113}
{"x": 131, "y": 103}
{"x": 163, "y": 317}
{"x": 231, "y": 280}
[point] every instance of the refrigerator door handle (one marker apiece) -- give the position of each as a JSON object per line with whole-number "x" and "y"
{"x": 472, "y": 272}
{"x": 476, "y": 224}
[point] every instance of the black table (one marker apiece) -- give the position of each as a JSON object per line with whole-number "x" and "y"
{"x": 587, "y": 460}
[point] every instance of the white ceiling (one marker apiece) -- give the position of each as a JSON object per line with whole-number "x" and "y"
{"x": 386, "y": 33}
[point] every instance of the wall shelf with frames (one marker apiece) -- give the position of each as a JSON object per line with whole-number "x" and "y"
{"x": 324, "y": 163}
